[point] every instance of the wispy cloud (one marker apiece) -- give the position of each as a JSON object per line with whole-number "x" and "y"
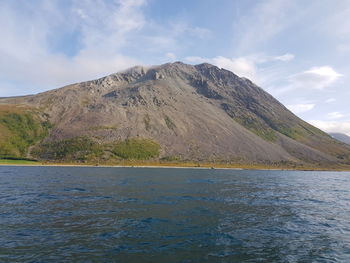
{"x": 330, "y": 100}
{"x": 51, "y": 43}
{"x": 335, "y": 115}
{"x": 344, "y": 47}
{"x": 265, "y": 20}
{"x": 285, "y": 57}
{"x": 241, "y": 66}
{"x": 28, "y": 56}
{"x": 281, "y": 45}
{"x": 250, "y": 67}
{"x": 180, "y": 27}
{"x": 315, "y": 78}
{"x": 332, "y": 126}
{"x": 300, "y": 108}
{"x": 170, "y": 56}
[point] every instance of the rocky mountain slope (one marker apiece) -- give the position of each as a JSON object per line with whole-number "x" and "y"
{"x": 341, "y": 137}
{"x": 197, "y": 113}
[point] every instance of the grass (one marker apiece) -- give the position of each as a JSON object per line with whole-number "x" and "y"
{"x": 258, "y": 127}
{"x": 85, "y": 149}
{"x": 144, "y": 152}
{"x": 85, "y": 101}
{"x": 170, "y": 158}
{"x": 7, "y": 161}
{"x": 179, "y": 164}
{"x": 77, "y": 149}
{"x": 19, "y": 129}
{"x": 138, "y": 149}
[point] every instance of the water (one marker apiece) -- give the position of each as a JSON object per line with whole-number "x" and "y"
{"x": 66, "y": 214}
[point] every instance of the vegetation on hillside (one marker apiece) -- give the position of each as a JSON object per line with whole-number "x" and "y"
{"x": 78, "y": 148}
{"x": 19, "y": 129}
{"x": 18, "y": 161}
{"x": 137, "y": 149}
{"x": 169, "y": 123}
{"x": 146, "y": 120}
{"x": 185, "y": 108}
{"x": 85, "y": 149}
{"x": 258, "y": 127}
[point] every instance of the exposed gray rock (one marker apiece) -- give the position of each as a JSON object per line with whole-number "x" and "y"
{"x": 197, "y": 112}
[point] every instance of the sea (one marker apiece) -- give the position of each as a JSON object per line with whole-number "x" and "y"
{"x": 96, "y": 214}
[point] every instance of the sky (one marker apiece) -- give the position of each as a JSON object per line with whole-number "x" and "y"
{"x": 298, "y": 51}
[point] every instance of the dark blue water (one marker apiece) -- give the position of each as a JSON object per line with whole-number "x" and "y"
{"x": 56, "y": 214}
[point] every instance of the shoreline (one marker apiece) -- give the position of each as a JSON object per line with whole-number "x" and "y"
{"x": 179, "y": 166}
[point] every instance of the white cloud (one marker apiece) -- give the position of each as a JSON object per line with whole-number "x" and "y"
{"x": 242, "y": 66}
{"x": 80, "y": 13}
{"x": 247, "y": 66}
{"x": 128, "y": 16}
{"x": 200, "y": 32}
{"x": 343, "y": 48}
{"x": 335, "y": 115}
{"x": 103, "y": 32}
{"x": 171, "y": 56}
{"x": 286, "y": 57}
{"x": 203, "y": 33}
{"x": 195, "y": 59}
{"x": 300, "y": 108}
{"x": 330, "y": 100}
{"x": 106, "y": 26}
{"x": 175, "y": 36}
{"x": 27, "y": 55}
{"x": 315, "y": 78}
{"x": 265, "y": 20}
{"x": 180, "y": 26}
{"x": 332, "y": 126}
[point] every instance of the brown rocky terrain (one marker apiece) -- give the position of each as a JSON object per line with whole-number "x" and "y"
{"x": 199, "y": 112}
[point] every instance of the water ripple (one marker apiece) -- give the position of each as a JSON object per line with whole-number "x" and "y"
{"x": 67, "y": 214}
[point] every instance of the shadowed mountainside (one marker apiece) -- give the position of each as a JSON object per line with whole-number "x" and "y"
{"x": 197, "y": 113}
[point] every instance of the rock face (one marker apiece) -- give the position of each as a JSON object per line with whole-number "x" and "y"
{"x": 196, "y": 112}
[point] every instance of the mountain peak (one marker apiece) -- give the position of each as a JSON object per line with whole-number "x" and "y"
{"x": 194, "y": 112}
{"x": 205, "y": 65}
{"x": 136, "y": 70}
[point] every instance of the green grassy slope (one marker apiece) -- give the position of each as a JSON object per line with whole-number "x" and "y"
{"x": 85, "y": 149}
{"x": 20, "y": 128}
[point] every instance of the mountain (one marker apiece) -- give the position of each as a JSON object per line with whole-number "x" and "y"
{"x": 341, "y": 137}
{"x": 170, "y": 112}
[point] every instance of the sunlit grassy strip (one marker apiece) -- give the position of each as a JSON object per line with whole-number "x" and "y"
{"x": 136, "y": 163}
{"x": 128, "y": 163}
{"x": 84, "y": 149}
{"x": 19, "y": 162}
{"x": 139, "y": 149}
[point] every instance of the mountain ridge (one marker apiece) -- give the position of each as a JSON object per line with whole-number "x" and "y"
{"x": 194, "y": 112}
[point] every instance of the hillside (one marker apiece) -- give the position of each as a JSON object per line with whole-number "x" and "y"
{"x": 341, "y": 137}
{"x": 171, "y": 112}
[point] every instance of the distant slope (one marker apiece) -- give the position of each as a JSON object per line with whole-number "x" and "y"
{"x": 193, "y": 113}
{"x": 341, "y": 137}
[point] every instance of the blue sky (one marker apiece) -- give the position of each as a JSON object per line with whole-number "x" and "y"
{"x": 299, "y": 51}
